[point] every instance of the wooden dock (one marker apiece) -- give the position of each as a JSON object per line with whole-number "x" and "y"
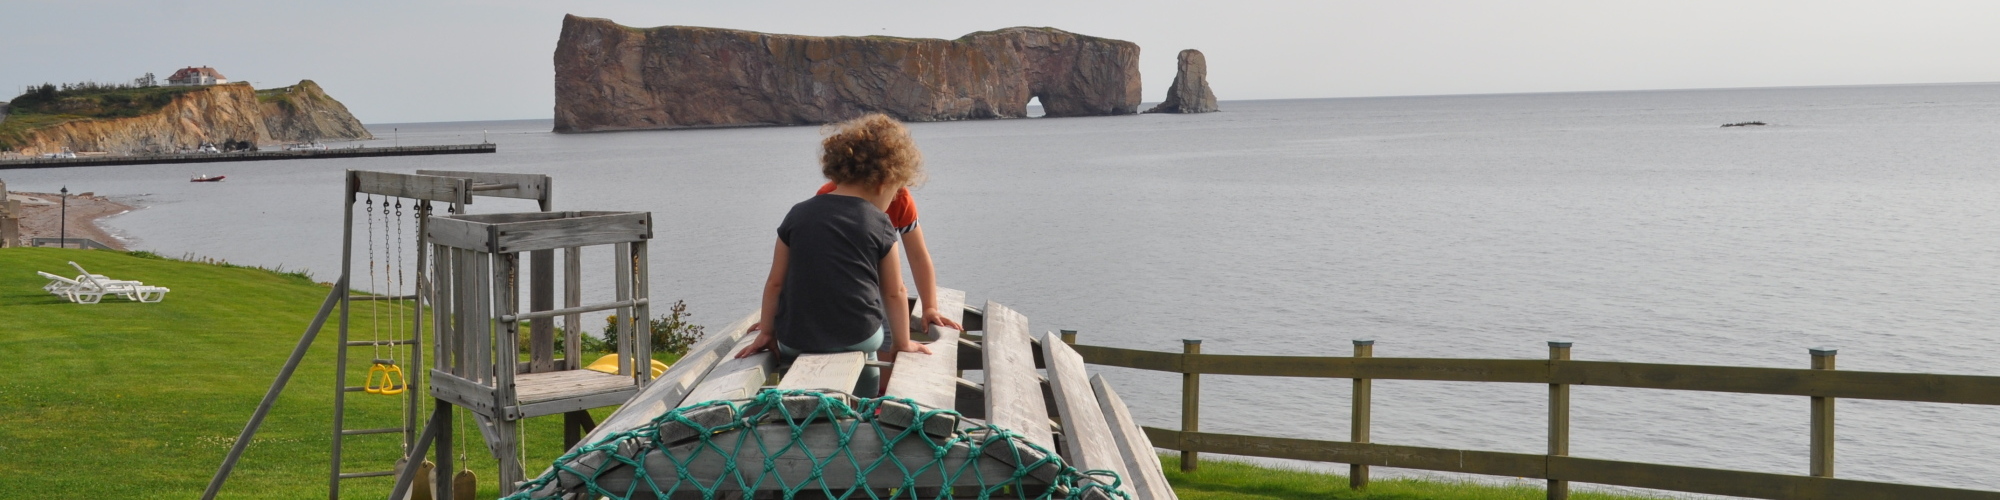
{"x": 1067, "y": 411}
{"x": 303, "y": 154}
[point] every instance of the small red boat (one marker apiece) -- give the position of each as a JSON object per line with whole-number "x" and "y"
{"x": 205, "y": 178}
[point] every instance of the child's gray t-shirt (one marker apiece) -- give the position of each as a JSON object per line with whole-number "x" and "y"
{"x": 832, "y": 297}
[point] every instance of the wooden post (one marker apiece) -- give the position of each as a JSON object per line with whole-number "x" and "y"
{"x": 1558, "y": 419}
{"x": 1190, "y": 404}
{"x": 1357, "y": 474}
{"x": 1068, "y": 336}
{"x": 1822, "y": 418}
{"x": 541, "y": 297}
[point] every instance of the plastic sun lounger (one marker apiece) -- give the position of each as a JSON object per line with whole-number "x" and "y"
{"x": 130, "y": 290}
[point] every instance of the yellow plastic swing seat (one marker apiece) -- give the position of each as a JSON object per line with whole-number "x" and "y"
{"x": 609, "y": 364}
{"x": 385, "y": 379}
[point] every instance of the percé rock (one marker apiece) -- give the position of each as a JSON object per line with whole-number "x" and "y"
{"x": 612, "y": 77}
{"x": 1190, "y": 92}
{"x": 216, "y": 114}
{"x": 304, "y": 113}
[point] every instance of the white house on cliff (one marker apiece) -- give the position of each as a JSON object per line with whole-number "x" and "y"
{"x": 196, "y": 76}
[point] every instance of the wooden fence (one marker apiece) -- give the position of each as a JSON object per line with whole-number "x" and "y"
{"x": 1821, "y": 383}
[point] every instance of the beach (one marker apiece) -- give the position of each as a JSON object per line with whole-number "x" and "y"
{"x": 42, "y": 215}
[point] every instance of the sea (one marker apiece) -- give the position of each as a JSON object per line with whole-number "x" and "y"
{"x": 1865, "y": 219}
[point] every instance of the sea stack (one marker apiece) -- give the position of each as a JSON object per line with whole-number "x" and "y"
{"x": 612, "y": 77}
{"x": 1190, "y": 92}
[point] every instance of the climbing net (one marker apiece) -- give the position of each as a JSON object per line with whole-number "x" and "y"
{"x": 691, "y": 452}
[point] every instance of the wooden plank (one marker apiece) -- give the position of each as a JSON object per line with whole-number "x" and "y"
{"x": 1013, "y": 393}
{"x": 569, "y": 404}
{"x": 462, "y": 392}
{"x": 548, "y": 386}
{"x": 825, "y": 372}
{"x": 586, "y": 230}
{"x": 734, "y": 378}
{"x": 422, "y": 187}
{"x": 1408, "y": 457}
{"x": 1148, "y": 480}
{"x": 667, "y": 392}
{"x": 930, "y": 379}
{"x": 1086, "y": 433}
{"x": 456, "y": 233}
{"x": 527, "y": 186}
{"x": 792, "y": 465}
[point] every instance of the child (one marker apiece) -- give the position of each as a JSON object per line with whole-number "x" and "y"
{"x": 836, "y": 284}
{"x": 903, "y": 215}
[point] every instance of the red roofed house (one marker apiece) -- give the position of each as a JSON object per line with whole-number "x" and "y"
{"x": 197, "y": 76}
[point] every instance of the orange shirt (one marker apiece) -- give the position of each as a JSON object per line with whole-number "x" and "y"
{"x": 902, "y": 211}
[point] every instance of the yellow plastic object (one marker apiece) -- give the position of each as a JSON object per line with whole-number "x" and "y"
{"x": 385, "y": 379}
{"x": 609, "y": 364}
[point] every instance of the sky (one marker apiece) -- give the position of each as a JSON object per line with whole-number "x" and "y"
{"x": 458, "y": 60}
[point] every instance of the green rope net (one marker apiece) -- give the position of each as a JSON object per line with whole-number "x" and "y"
{"x": 809, "y": 444}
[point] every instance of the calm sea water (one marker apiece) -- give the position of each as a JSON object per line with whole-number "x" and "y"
{"x": 1863, "y": 218}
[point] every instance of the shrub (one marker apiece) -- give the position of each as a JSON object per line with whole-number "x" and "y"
{"x": 671, "y": 332}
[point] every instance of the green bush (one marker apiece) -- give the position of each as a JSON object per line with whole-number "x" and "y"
{"x": 671, "y": 332}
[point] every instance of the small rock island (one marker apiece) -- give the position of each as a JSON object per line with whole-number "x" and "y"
{"x": 1190, "y": 92}
{"x": 613, "y": 77}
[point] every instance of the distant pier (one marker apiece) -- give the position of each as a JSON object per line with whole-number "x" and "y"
{"x": 300, "y": 154}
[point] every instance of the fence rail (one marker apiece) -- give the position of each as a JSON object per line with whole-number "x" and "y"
{"x": 1822, "y": 383}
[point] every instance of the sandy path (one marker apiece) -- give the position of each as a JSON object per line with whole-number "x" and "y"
{"x": 41, "y": 214}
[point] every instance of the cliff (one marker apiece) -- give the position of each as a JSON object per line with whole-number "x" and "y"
{"x": 1190, "y": 92}
{"x": 612, "y": 77}
{"x": 167, "y": 119}
{"x": 304, "y": 113}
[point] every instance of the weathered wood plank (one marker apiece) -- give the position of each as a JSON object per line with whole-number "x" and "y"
{"x": 1408, "y": 457}
{"x": 666, "y": 392}
{"x": 548, "y": 386}
{"x": 734, "y": 378}
{"x": 1013, "y": 392}
{"x": 1086, "y": 433}
{"x": 582, "y": 230}
{"x": 1141, "y": 460}
{"x": 930, "y": 379}
{"x": 828, "y": 372}
{"x": 526, "y": 186}
{"x": 422, "y": 187}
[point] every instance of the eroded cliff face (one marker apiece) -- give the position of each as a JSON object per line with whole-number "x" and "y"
{"x": 1190, "y": 92}
{"x": 215, "y": 115}
{"x": 612, "y": 77}
{"x": 304, "y": 113}
{"x": 228, "y": 113}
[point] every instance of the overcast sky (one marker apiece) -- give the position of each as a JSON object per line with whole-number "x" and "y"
{"x": 452, "y": 60}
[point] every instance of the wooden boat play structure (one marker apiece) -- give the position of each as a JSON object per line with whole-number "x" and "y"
{"x": 1035, "y": 424}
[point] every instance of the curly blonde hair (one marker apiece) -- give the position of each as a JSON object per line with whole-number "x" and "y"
{"x": 872, "y": 150}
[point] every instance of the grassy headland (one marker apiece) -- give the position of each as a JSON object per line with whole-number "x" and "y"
{"x": 128, "y": 400}
{"x": 48, "y": 106}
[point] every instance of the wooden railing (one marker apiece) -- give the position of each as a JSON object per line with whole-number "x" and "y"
{"x": 1821, "y": 382}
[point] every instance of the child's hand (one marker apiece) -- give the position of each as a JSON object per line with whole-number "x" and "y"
{"x": 762, "y": 344}
{"x": 933, "y": 317}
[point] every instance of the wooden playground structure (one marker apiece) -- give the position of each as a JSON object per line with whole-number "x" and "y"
{"x": 1034, "y": 426}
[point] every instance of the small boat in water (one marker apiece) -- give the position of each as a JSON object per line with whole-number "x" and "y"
{"x": 206, "y": 178}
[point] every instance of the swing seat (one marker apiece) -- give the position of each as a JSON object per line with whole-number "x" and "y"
{"x": 385, "y": 378}
{"x": 609, "y": 364}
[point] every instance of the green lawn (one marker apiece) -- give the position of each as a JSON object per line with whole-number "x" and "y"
{"x": 129, "y": 400}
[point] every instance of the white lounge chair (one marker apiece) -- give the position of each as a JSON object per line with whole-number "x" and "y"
{"x": 95, "y": 289}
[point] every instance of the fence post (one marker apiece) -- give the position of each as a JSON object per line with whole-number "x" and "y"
{"x": 1190, "y": 404}
{"x": 1068, "y": 336}
{"x": 1357, "y": 474}
{"x": 1558, "y": 419}
{"x": 1822, "y": 417}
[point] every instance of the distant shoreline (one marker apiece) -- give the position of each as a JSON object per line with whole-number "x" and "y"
{"x": 42, "y": 214}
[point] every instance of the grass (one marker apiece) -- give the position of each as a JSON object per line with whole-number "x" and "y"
{"x": 129, "y": 400}
{"x": 1234, "y": 480}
